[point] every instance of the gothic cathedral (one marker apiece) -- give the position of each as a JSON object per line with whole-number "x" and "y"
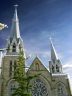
{"x": 49, "y": 83}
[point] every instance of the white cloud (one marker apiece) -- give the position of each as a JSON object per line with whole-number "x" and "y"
{"x": 67, "y": 66}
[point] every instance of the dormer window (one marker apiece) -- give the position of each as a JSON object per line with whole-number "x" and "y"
{"x": 14, "y": 48}
{"x": 37, "y": 66}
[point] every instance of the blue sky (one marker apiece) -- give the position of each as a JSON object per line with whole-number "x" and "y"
{"x": 40, "y": 19}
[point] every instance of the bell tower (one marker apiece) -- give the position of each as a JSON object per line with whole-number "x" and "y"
{"x": 9, "y": 60}
{"x": 55, "y": 65}
{"x": 15, "y": 42}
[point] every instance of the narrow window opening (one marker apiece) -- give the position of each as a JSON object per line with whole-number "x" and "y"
{"x": 57, "y": 68}
{"x": 60, "y": 90}
{"x": 10, "y": 69}
{"x": 14, "y": 48}
{"x": 15, "y": 65}
{"x": 52, "y": 69}
{"x": 37, "y": 66}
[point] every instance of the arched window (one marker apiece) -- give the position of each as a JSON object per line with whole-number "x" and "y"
{"x": 20, "y": 47}
{"x": 14, "y": 48}
{"x": 37, "y": 66}
{"x": 10, "y": 68}
{"x": 15, "y": 65}
{"x": 12, "y": 85}
{"x": 52, "y": 69}
{"x": 39, "y": 88}
{"x": 12, "y": 88}
{"x": 61, "y": 90}
{"x": 57, "y": 68}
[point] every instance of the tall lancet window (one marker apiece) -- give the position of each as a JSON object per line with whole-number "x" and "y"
{"x": 60, "y": 90}
{"x": 15, "y": 65}
{"x": 10, "y": 69}
{"x": 37, "y": 66}
{"x": 52, "y": 69}
{"x": 12, "y": 85}
{"x": 12, "y": 89}
{"x": 14, "y": 48}
{"x": 57, "y": 68}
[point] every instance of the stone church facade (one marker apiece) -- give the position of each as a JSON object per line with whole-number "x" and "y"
{"x": 49, "y": 83}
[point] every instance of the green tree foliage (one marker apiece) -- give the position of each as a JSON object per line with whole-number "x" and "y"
{"x": 21, "y": 78}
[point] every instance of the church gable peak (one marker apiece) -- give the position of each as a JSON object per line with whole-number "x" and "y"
{"x": 37, "y": 65}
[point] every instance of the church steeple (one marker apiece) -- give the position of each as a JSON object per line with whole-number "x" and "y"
{"x": 15, "y": 31}
{"x": 55, "y": 64}
{"x": 53, "y": 51}
{"x": 15, "y": 42}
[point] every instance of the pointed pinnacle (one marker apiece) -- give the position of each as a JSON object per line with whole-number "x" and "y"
{"x": 53, "y": 51}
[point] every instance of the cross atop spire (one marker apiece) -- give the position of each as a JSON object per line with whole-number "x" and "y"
{"x": 53, "y": 51}
{"x": 16, "y": 5}
{"x": 15, "y": 14}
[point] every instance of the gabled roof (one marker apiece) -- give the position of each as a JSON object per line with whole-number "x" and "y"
{"x": 37, "y": 60}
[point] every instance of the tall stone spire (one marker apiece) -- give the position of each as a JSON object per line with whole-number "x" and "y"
{"x": 15, "y": 31}
{"x": 15, "y": 42}
{"x": 53, "y": 51}
{"x": 55, "y": 64}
